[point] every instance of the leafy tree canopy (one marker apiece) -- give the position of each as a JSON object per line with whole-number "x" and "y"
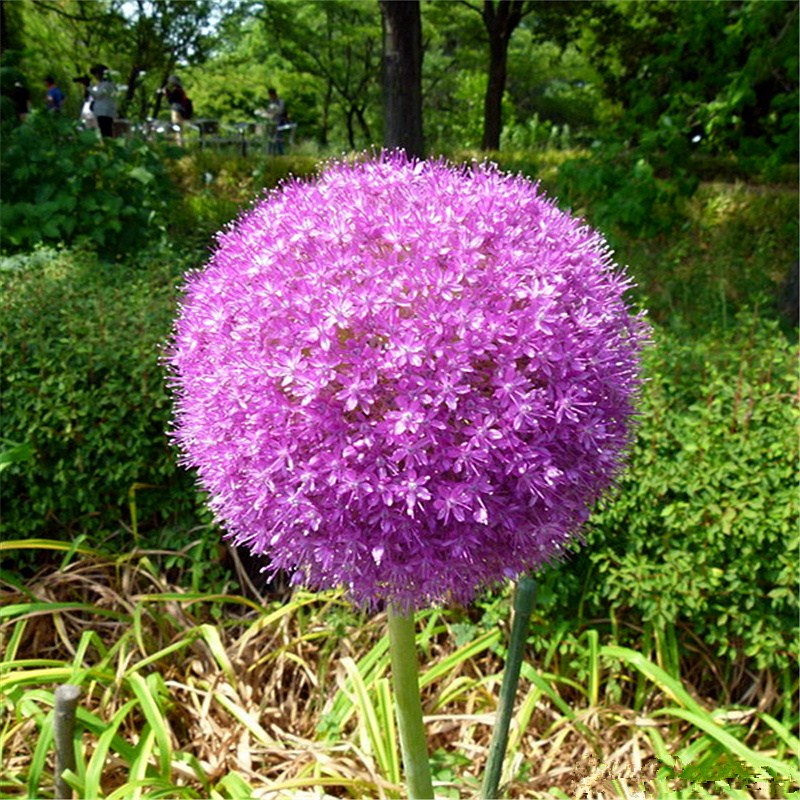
{"x": 141, "y": 41}
{"x": 719, "y": 75}
{"x": 722, "y": 72}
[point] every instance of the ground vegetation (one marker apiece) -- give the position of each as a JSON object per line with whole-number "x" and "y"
{"x": 662, "y": 656}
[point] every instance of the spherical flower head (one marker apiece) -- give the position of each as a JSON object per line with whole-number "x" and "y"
{"x": 406, "y": 378}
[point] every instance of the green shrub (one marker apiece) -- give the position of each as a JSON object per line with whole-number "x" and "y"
{"x": 83, "y": 389}
{"x": 623, "y": 190}
{"x": 703, "y": 531}
{"x": 215, "y": 187}
{"x": 735, "y": 247}
{"x": 61, "y": 184}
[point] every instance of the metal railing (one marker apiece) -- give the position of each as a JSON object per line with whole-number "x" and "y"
{"x": 242, "y": 137}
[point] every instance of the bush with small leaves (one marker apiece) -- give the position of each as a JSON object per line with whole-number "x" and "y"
{"x": 702, "y": 532}
{"x": 83, "y": 389}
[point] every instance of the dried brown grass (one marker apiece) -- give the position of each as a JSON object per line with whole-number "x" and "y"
{"x": 279, "y": 672}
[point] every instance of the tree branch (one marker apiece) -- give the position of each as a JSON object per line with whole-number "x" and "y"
{"x": 477, "y": 9}
{"x": 76, "y": 17}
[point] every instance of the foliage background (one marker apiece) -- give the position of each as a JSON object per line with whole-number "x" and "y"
{"x": 84, "y": 392}
{"x": 711, "y": 77}
{"x": 670, "y": 126}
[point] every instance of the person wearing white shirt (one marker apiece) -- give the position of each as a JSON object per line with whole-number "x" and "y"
{"x": 104, "y": 105}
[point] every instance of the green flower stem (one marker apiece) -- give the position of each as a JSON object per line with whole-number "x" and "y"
{"x": 524, "y": 598}
{"x": 405, "y": 679}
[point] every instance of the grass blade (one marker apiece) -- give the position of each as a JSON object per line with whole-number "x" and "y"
{"x": 13, "y": 643}
{"x": 594, "y": 667}
{"x": 465, "y": 653}
{"x": 732, "y": 745}
{"x": 46, "y": 544}
{"x": 529, "y": 673}
{"x": 659, "y": 746}
{"x": 188, "y": 599}
{"x": 94, "y": 771}
{"x": 786, "y": 736}
{"x": 374, "y": 724}
{"x": 36, "y": 608}
{"x": 234, "y": 786}
{"x": 246, "y": 718}
{"x": 212, "y": 638}
{"x": 283, "y": 610}
{"x": 370, "y": 667}
{"x": 385, "y": 709}
{"x": 145, "y": 694}
{"x": 133, "y": 789}
{"x": 138, "y": 768}
{"x": 96, "y": 725}
{"x": 159, "y": 654}
{"x": 523, "y": 718}
{"x": 666, "y": 683}
{"x": 43, "y": 675}
{"x": 40, "y": 753}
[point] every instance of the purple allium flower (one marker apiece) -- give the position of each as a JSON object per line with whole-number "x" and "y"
{"x": 407, "y": 378}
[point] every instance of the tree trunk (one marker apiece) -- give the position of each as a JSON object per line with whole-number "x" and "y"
{"x": 500, "y": 20}
{"x": 5, "y": 36}
{"x": 351, "y": 134}
{"x": 402, "y": 76}
{"x": 130, "y": 92}
{"x": 11, "y": 28}
{"x": 362, "y": 121}
{"x": 493, "y": 101}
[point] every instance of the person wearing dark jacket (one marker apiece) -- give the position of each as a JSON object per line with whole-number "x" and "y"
{"x": 178, "y": 105}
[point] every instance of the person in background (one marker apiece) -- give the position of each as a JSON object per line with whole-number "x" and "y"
{"x": 87, "y": 118}
{"x": 104, "y": 106}
{"x": 176, "y": 97}
{"x": 278, "y": 117}
{"x": 54, "y": 97}
{"x": 21, "y": 97}
{"x": 276, "y": 108}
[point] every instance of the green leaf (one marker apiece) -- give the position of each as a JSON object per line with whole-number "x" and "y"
{"x": 666, "y": 683}
{"x": 97, "y": 763}
{"x": 14, "y": 452}
{"x": 142, "y": 175}
{"x": 705, "y": 722}
{"x": 155, "y": 716}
